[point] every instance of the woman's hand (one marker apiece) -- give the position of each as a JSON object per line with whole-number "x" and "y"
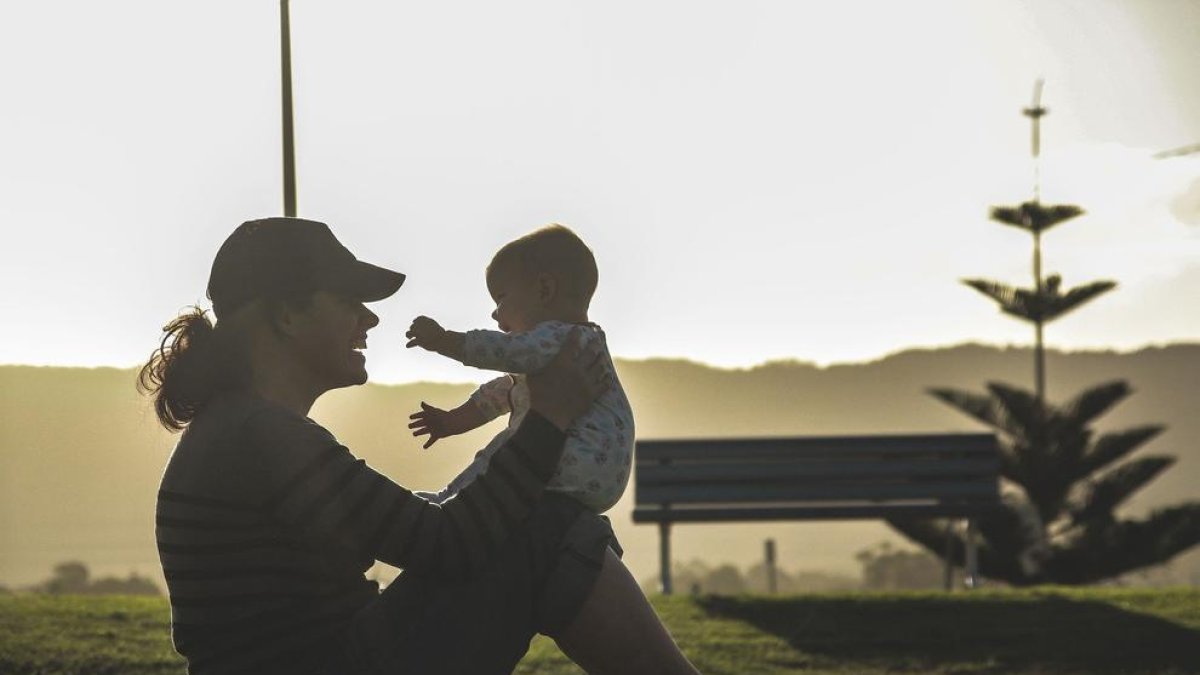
{"x": 566, "y": 388}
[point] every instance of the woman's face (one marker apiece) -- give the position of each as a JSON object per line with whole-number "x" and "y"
{"x": 327, "y": 339}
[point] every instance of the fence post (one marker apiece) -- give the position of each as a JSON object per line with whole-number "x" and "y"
{"x": 770, "y": 554}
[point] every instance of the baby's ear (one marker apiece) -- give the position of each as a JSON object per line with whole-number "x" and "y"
{"x": 547, "y": 287}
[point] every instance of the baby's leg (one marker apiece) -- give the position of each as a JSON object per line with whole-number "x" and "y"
{"x": 617, "y": 631}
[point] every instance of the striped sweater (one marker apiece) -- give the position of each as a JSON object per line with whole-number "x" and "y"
{"x": 266, "y": 526}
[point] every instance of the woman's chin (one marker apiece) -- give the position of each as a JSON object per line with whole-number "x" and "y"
{"x": 355, "y": 371}
{"x": 358, "y": 365}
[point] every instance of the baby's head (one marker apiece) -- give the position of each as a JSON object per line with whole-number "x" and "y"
{"x": 549, "y": 274}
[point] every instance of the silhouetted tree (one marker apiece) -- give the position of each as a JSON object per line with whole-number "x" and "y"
{"x": 1063, "y": 484}
{"x": 69, "y": 577}
{"x": 73, "y": 578}
{"x": 724, "y": 580}
{"x": 700, "y": 578}
{"x": 134, "y": 584}
{"x": 887, "y": 568}
{"x": 787, "y": 583}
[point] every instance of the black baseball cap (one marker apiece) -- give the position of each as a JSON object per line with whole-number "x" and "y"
{"x": 278, "y": 258}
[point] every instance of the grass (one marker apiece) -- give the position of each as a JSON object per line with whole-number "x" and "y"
{"x": 1060, "y": 631}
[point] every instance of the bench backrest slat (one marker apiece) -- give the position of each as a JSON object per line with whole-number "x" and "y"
{"x": 832, "y": 447}
{"x": 838, "y": 511}
{"x": 801, "y": 470}
{"x": 775, "y": 492}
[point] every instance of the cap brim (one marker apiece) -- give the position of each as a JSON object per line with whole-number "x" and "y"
{"x": 369, "y": 283}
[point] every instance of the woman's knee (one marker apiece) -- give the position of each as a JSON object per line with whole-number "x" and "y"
{"x": 617, "y": 631}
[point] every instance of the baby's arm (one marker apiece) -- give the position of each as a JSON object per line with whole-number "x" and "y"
{"x": 493, "y": 350}
{"x": 516, "y": 352}
{"x": 438, "y": 424}
{"x": 486, "y": 404}
{"x": 429, "y": 334}
{"x": 491, "y": 399}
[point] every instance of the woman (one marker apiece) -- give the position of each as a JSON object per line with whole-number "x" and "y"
{"x": 266, "y": 525}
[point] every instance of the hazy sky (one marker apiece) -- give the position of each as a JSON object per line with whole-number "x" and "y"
{"x": 759, "y": 180}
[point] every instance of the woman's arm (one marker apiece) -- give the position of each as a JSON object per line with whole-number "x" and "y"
{"x": 322, "y": 490}
{"x": 336, "y": 499}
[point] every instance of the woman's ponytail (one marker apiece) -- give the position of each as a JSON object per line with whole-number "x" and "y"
{"x": 194, "y": 362}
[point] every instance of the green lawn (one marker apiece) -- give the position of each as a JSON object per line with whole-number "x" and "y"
{"x": 1042, "y": 631}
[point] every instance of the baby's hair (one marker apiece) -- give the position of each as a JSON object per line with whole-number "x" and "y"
{"x": 557, "y": 251}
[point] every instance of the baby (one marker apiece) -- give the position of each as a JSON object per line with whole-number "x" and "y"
{"x": 542, "y": 285}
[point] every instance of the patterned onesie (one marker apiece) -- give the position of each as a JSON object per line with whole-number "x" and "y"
{"x": 599, "y": 451}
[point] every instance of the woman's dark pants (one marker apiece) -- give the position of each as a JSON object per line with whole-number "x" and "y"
{"x": 536, "y": 583}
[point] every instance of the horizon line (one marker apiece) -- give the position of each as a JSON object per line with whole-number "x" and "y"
{"x": 733, "y": 368}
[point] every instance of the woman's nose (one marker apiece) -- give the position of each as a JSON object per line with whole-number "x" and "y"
{"x": 369, "y": 319}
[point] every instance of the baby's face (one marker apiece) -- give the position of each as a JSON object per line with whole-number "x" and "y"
{"x": 518, "y": 304}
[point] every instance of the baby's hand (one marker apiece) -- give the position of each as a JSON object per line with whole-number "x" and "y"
{"x": 425, "y": 333}
{"x": 433, "y": 422}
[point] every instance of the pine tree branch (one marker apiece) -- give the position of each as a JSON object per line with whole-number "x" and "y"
{"x": 1113, "y": 446}
{"x": 1034, "y": 216}
{"x": 1052, "y": 305}
{"x": 1103, "y": 549}
{"x": 1019, "y": 405}
{"x": 1003, "y": 294}
{"x": 1100, "y": 497}
{"x": 1094, "y": 402}
{"x": 977, "y": 406}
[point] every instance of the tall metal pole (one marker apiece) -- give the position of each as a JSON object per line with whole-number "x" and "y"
{"x": 1035, "y": 113}
{"x": 289, "y": 145}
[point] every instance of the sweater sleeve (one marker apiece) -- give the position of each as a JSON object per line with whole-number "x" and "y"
{"x": 332, "y": 498}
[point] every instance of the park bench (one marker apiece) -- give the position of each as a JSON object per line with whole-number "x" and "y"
{"x": 816, "y": 478}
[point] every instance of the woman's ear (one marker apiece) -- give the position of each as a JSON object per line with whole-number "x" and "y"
{"x": 281, "y": 318}
{"x": 547, "y": 287}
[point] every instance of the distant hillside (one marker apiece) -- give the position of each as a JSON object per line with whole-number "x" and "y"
{"x": 80, "y": 454}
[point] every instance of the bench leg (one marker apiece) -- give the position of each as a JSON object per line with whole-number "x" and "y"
{"x": 972, "y": 578}
{"x": 664, "y": 556}
{"x": 948, "y": 570}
